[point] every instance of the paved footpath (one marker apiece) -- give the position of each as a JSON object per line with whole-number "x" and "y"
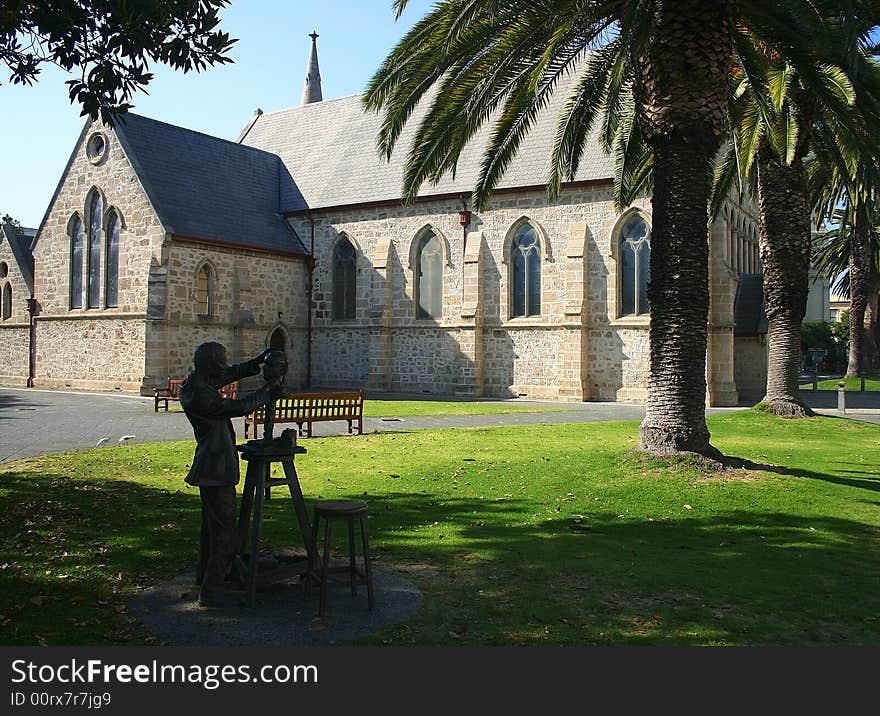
{"x": 37, "y": 422}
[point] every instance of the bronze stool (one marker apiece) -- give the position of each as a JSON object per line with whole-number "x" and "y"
{"x": 351, "y": 511}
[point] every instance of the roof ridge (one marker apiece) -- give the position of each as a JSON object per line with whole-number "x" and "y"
{"x": 196, "y": 131}
{"x": 312, "y": 104}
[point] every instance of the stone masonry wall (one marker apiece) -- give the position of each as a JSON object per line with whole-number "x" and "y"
{"x": 102, "y": 347}
{"x": 253, "y": 295}
{"x": 13, "y": 330}
{"x": 140, "y": 238}
{"x": 512, "y": 356}
{"x": 13, "y": 354}
{"x": 113, "y": 357}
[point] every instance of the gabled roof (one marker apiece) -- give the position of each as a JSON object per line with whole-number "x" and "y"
{"x": 329, "y": 149}
{"x": 212, "y": 189}
{"x": 20, "y": 239}
{"x": 749, "y": 318}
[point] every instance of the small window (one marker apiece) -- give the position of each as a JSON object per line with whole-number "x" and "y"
{"x": 429, "y": 283}
{"x": 344, "y": 280}
{"x": 96, "y": 147}
{"x": 77, "y": 242}
{"x": 4, "y": 269}
{"x": 204, "y": 292}
{"x": 7, "y": 301}
{"x": 111, "y": 270}
{"x": 635, "y": 266}
{"x": 526, "y": 272}
{"x": 96, "y": 216}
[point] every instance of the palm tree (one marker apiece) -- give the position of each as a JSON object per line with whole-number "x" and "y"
{"x": 776, "y": 116}
{"x": 846, "y": 193}
{"x": 780, "y": 115}
{"x": 487, "y": 59}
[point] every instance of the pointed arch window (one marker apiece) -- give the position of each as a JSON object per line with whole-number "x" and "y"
{"x": 205, "y": 292}
{"x": 635, "y": 266}
{"x": 526, "y": 260}
{"x": 277, "y": 340}
{"x": 344, "y": 279}
{"x": 7, "y": 301}
{"x": 77, "y": 245}
{"x": 111, "y": 269}
{"x": 96, "y": 215}
{"x": 429, "y": 282}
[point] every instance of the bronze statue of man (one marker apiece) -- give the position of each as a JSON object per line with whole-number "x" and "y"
{"x": 215, "y": 463}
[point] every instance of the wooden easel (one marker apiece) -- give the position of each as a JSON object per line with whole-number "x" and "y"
{"x": 259, "y": 455}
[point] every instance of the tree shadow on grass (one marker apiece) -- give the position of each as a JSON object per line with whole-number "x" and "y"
{"x": 74, "y": 551}
{"x": 870, "y": 481}
{"x": 492, "y": 573}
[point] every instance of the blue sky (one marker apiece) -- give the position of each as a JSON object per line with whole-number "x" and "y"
{"x": 38, "y": 126}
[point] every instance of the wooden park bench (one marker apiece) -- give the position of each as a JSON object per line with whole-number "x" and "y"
{"x": 308, "y": 408}
{"x": 171, "y": 391}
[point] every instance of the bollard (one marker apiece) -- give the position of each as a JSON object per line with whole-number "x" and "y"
{"x": 862, "y": 389}
{"x": 841, "y": 398}
{"x": 815, "y": 381}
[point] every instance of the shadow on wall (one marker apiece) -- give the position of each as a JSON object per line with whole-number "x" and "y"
{"x": 606, "y": 351}
{"x": 386, "y": 347}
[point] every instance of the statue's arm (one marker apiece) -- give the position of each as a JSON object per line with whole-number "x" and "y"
{"x": 212, "y": 405}
{"x": 241, "y": 370}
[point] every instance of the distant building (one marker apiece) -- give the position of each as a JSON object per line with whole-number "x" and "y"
{"x": 818, "y": 299}
{"x": 837, "y": 305}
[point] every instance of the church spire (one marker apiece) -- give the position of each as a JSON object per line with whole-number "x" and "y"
{"x": 312, "y": 87}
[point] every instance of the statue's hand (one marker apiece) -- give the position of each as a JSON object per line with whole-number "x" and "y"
{"x": 261, "y": 358}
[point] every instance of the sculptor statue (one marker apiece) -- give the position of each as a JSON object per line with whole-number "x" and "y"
{"x": 215, "y": 463}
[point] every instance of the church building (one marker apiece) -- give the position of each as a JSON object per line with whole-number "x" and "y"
{"x": 158, "y": 238}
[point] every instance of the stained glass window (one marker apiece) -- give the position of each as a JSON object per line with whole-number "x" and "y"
{"x": 77, "y": 241}
{"x": 429, "y": 286}
{"x": 635, "y": 266}
{"x": 7, "y": 301}
{"x": 344, "y": 280}
{"x": 96, "y": 215}
{"x": 111, "y": 270}
{"x": 526, "y": 272}
{"x": 204, "y": 305}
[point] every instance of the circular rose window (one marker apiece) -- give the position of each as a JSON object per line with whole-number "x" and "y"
{"x": 96, "y": 148}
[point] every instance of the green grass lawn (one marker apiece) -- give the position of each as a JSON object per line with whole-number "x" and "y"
{"x": 417, "y": 408}
{"x": 413, "y": 408}
{"x": 547, "y": 535}
{"x": 872, "y": 382}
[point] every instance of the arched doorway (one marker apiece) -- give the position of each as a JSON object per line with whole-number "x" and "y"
{"x": 276, "y": 340}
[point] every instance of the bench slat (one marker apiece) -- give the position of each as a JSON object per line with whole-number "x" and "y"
{"x": 308, "y": 408}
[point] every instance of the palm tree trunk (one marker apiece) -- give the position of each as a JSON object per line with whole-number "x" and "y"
{"x": 859, "y": 285}
{"x": 681, "y": 90}
{"x": 869, "y": 357}
{"x": 675, "y": 418}
{"x": 785, "y": 256}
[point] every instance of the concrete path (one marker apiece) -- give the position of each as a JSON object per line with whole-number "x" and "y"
{"x": 282, "y": 616}
{"x": 38, "y": 422}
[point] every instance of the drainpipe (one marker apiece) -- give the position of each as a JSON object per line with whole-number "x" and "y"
{"x": 32, "y": 340}
{"x": 309, "y": 289}
{"x": 464, "y": 220}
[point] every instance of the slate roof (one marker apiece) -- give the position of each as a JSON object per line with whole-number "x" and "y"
{"x": 209, "y": 188}
{"x": 749, "y": 318}
{"x": 330, "y": 150}
{"x": 20, "y": 239}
